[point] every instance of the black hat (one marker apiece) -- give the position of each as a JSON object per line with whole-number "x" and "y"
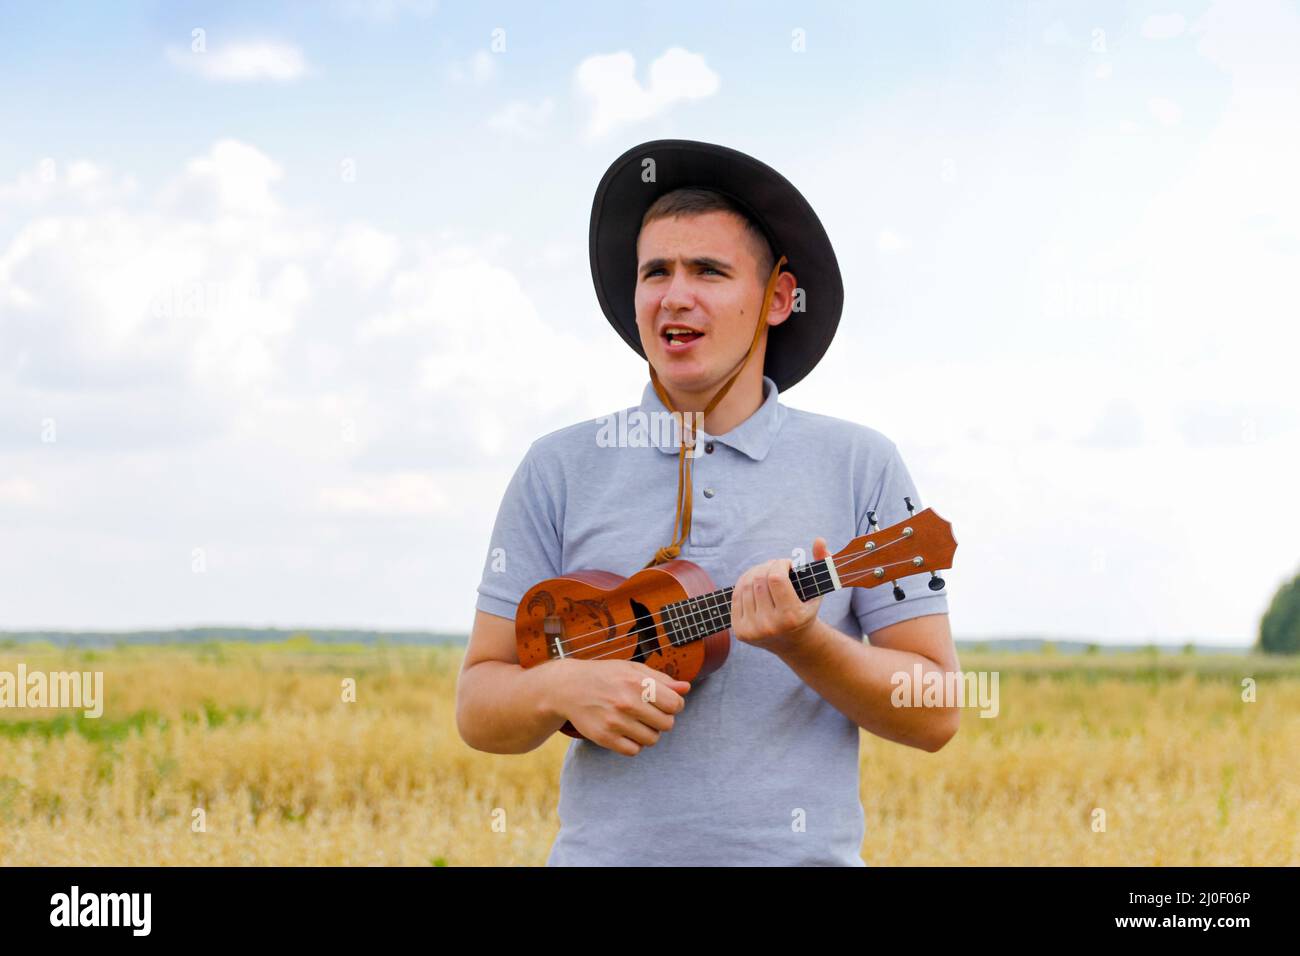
{"x": 792, "y": 228}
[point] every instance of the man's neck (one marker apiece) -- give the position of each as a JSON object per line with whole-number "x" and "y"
{"x": 741, "y": 401}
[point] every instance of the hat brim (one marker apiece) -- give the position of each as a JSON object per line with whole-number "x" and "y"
{"x": 796, "y": 345}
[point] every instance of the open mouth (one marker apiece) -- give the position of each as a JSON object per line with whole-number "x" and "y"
{"x": 680, "y": 337}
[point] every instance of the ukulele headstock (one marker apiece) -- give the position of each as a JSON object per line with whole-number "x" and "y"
{"x": 921, "y": 542}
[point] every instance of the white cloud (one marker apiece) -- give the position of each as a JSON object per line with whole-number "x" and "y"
{"x": 1254, "y": 40}
{"x": 1056, "y": 34}
{"x": 890, "y": 242}
{"x": 365, "y": 254}
{"x": 1163, "y": 26}
{"x": 1120, "y": 425}
{"x": 79, "y": 180}
{"x": 201, "y": 355}
{"x": 480, "y": 69}
{"x": 384, "y": 11}
{"x": 233, "y": 177}
{"x": 617, "y": 97}
{"x": 523, "y": 119}
{"x": 1166, "y": 111}
{"x": 1118, "y": 336}
{"x": 242, "y": 62}
{"x": 404, "y": 494}
{"x": 19, "y": 491}
{"x": 208, "y": 290}
{"x": 171, "y": 295}
{"x": 459, "y": 314}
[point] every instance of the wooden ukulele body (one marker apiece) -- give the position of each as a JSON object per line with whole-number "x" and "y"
{"x": 599, "y": 615}
{"x": 671, "y": 618}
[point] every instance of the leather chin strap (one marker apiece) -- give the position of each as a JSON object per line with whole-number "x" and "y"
{"x": 682, "y": 522}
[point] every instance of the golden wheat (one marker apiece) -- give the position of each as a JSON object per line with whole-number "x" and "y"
{"x": 284, "y": 771}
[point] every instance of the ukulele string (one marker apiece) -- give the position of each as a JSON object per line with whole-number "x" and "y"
{"x": 816, "y": 579}
{"x": 617, "y": 650}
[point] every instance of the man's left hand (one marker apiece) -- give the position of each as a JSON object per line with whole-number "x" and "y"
{"x": 765, "y": 610}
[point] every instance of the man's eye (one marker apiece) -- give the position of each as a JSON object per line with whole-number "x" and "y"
{"x": 656, "y": 271}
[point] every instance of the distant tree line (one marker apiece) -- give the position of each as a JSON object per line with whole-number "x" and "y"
{"x": 1279, "y": 629}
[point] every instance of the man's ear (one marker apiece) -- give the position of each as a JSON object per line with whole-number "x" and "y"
{"x": 782, "y": 298}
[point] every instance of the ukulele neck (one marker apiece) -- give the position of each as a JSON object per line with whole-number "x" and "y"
{"x": 698, "y": 617}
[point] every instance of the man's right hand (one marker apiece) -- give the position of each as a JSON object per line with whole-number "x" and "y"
{"x": 606, "y": 701}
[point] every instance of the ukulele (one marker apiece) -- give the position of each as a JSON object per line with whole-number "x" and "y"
{"x": 671, "y": 618}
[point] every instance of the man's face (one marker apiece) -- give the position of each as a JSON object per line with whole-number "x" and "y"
{"x": 697, "y": 272}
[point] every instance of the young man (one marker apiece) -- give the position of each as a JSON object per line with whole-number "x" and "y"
{"x": 758, "y": 762}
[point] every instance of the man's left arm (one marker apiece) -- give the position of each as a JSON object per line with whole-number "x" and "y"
{"x": 856, "y": 678}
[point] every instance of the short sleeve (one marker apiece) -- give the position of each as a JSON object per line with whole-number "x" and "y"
{"x": 876, "y": 607}
{"x": 525, "y": 544}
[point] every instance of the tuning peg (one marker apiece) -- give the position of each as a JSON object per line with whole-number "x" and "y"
{"x": 910, "y": 509}
{"x": 936, "y": 582}
{"x": 898, "y": 593}
{"x": 871, "y": 522}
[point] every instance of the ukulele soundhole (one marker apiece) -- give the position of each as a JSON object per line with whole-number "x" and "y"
{"x": 645, "y": 631}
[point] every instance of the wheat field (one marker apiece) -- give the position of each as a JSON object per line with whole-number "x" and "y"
{"x": 248, "y": 754}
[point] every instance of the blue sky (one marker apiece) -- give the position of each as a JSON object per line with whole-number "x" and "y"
{"x": 1074, "y": 223}
{"x": 377, "y": 87}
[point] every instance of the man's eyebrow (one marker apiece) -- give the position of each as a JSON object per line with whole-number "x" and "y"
{"x": 702, "y": 262}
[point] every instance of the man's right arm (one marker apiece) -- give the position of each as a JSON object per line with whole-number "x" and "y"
{"x": 500, "y": 706}
{"x": 504, "y": 708}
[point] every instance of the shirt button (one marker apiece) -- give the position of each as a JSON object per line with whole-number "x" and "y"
{"x": 708, "y": 492}
{"x": 708, "y": 448}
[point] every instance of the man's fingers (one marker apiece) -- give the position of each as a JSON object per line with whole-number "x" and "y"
{"x": 653, "y": 716}
{"x": 667, "y": 696}
{"x": 625, "y": 746}
{"x": 647, "y": 735}
{"x": 667, "y": 699}
{"x": 765, "y": 594}
{"x": 780, "y": 582}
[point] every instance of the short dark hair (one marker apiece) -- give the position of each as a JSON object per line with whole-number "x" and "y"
{"x": 694, "y": 201}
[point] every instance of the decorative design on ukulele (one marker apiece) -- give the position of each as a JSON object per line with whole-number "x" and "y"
{"x": 582, "y": 615}
{"x": 595, "y": 608}
{"x": 544, "y": 599}
{"x": 552, "y": 626}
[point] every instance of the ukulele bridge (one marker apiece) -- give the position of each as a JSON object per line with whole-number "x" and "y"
{"x": 553, "y": 628}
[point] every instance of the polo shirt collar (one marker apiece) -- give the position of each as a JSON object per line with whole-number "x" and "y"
{"x": 753, "y": 437}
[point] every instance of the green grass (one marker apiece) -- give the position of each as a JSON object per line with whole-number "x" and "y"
{"x": 110, "y": 730}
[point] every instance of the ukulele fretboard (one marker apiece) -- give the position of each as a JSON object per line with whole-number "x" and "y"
{"x": 698, "y": 617}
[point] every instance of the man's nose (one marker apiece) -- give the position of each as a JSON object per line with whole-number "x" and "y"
{"x": 678, "y": 294}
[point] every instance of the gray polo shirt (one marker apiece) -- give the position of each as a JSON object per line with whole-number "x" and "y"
{"x": 759, "y": 769}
